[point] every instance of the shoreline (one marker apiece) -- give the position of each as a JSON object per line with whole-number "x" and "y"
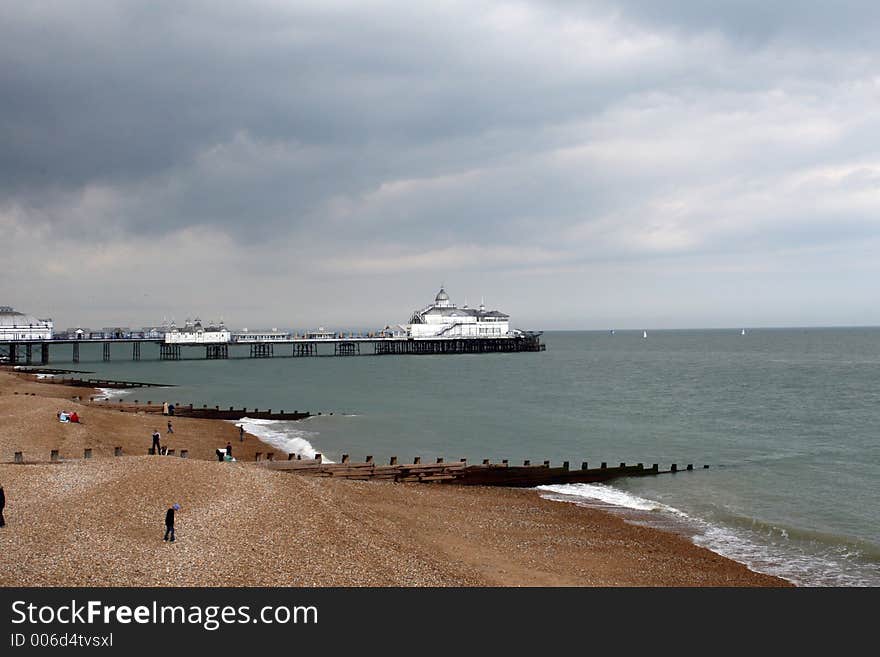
{"x": 98, "y": 522}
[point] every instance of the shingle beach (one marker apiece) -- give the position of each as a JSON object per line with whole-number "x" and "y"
{"x": 99, "y": 521}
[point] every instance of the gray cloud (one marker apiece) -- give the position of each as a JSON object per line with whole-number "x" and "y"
{"x": 321, "y": 146}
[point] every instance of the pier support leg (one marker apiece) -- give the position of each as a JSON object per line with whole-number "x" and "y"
{"x": 106, "y": 351}
{"x": 44, "y": 355}
{"x": 135, "y": 350}
{"x": 217, "y": 351}
{"x": 262, "y": 350}
{"x": 28, "y": 354}
{"x": 76, "y": 352}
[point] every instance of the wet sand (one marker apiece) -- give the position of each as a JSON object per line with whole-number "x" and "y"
{"x": 99, "y": 522}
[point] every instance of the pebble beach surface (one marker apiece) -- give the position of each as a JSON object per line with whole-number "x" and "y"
{"x": 99, "y": 522}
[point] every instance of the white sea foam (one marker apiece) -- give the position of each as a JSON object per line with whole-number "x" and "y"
{"x": 610, "y": 495}
{"x": 111, "y": 393}
{"x": 833, "y": 566}
{"x": 283, "y": 434}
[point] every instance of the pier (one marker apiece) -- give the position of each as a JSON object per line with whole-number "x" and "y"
{"x": 37, "y": 352}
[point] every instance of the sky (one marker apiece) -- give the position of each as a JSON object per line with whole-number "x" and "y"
{"x": 575, "y": 164}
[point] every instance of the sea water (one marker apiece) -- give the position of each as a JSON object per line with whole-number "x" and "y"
{"x": 788, "y": 420}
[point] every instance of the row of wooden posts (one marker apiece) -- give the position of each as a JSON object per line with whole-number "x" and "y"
{"x": 505, "y": 462}
{"x": 55, "y": 455}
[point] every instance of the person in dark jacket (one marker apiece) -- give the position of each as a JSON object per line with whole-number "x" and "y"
{"x": 169, "y": 522}
{"x": 156, "y": 436}
{"x": 2, "y": 505}
{"x": 229, "y": 449}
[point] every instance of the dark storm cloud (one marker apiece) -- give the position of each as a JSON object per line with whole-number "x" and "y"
{"x": 281, "y": 139}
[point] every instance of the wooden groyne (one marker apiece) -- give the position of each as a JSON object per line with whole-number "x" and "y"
{"x": 217, "y": 413}
{"x": 97, "y": 383}
{"x": 48, "y": 370}
{"x": 204, "y": 412}
{"x": 459, "y": 472}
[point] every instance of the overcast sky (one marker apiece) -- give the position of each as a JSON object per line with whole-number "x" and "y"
{"x": 579, "y": 164}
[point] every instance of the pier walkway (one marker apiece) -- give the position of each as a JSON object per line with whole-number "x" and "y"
{"x": 31, "y": 352}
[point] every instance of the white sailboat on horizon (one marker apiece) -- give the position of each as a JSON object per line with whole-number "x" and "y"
{"x": 644, "y": 334}
{"x": 743, "y": 332}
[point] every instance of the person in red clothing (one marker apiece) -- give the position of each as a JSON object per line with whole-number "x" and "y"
{"x": 74, "y": 417}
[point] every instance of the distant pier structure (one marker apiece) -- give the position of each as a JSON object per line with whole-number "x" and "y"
{"x": 439, "y": 328}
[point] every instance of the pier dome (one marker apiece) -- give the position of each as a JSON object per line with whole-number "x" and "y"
{"x": 10, "y": 317}
{"x": 19, "y": 326}
{"x": 442, "y": 299}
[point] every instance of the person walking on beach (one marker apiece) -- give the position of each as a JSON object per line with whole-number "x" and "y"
{"x": 240, "y": 432}
{"x": 229, "y": 449}
{"x": 164, "y": 408}
{"x": 2, "y": 505}
{"x": 170, "y": 428}
{"x": 169, "y": 521}
{"x": 156, "y": 436}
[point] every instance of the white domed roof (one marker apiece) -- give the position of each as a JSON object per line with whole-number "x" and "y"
{"x": 441, "y": 296}
{"x": 10, "y": 317}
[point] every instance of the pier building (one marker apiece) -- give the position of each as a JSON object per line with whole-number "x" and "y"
{"x": 443, "y": 319}
{"x": 194, "y": 333}
{"x": 16, "y": 326}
